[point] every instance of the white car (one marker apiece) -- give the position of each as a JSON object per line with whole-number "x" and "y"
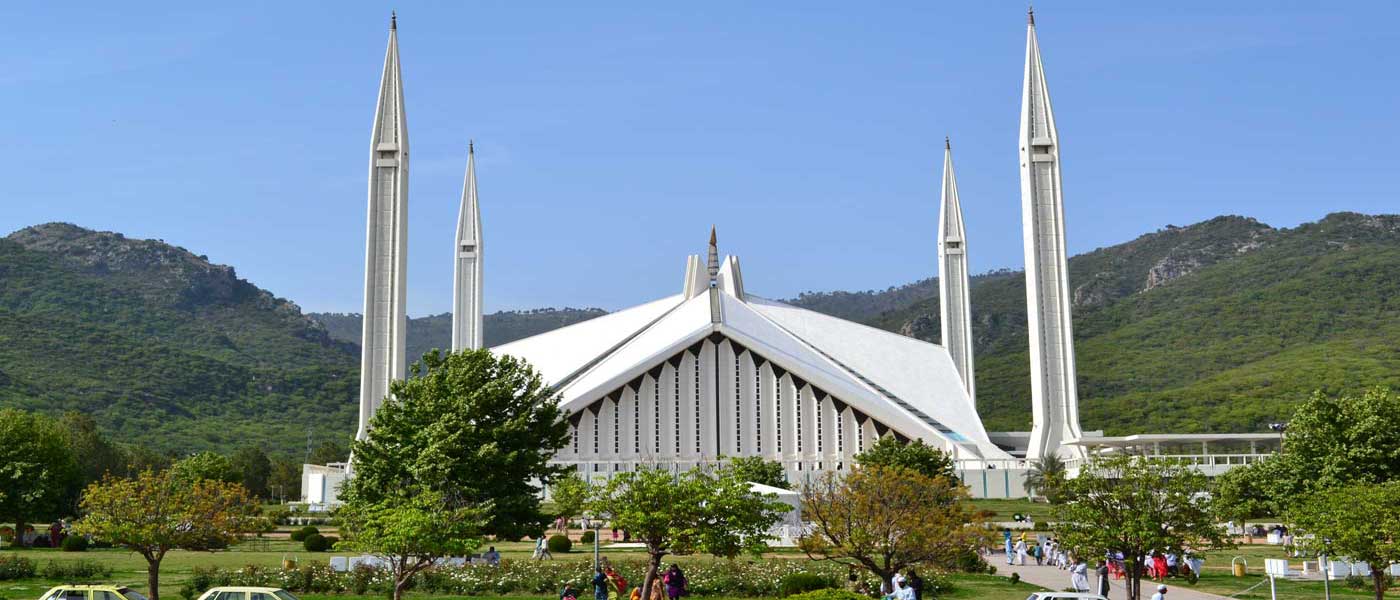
{"x": 1065, "y": 596}
{"x": 247, "y": 593}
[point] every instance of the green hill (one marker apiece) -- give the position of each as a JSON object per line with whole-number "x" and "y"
{"x": 435, "y": 331}
{"x": 1220, "y": 326}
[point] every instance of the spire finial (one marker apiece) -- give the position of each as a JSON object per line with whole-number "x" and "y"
{"x": 471, "y": 146}
{"x": 712, "y": 236}
{"x": 393, "y": 20}
{"x": 947, "y": 143}
{"x": 1030, "y": 14}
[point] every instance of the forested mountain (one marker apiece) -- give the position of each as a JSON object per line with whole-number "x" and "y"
{"x": 1222, "y": 326}
{"x": 435, "y": 331}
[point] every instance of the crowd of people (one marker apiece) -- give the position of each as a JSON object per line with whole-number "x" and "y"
{"x": 608, "y": 584}
{"x": 1048, "y": 551}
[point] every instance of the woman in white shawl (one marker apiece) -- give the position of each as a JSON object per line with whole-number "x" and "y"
{"x": 901, "y": 591}
{"x": 1079, "y": 576}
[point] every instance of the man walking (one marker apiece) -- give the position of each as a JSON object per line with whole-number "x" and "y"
{"x": 1161, "y": 592}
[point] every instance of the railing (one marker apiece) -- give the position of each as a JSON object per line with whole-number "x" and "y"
{"x": 1200, "y": 461}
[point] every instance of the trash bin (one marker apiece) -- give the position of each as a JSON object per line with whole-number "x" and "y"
{"x": 1237, "y": 566}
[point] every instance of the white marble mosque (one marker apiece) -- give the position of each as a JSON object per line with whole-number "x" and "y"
{"x": 715, "y": 371}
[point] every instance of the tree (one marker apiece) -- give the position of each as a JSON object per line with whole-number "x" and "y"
{"x": 210, "y": 466}
{"x": 1137, "y": 505}
{"x": 285, "y": 479}
{"x": 888, "y": 518}
{"x": 155, "y": 513}
{"x": 915, "y": 455}
{"x": 37, "y": 469}
{"x": 1250, "y": 492}
{"x": 1361, "y": 521}
{"x": 1340, "y": 440}
{"x": 411, "y": 529}
{"x": 329, "y": 451}
{"x": 478, "y": 428}
{"x": 1044, "y": 477}
{"x": 570, "y": 495}
{"x": 687, "y": 512}
{"x": 759, "y": 470}
{"x": 142, "y": 458}
{"x": 253, "y": 468}
{"x": 96, "y": 455}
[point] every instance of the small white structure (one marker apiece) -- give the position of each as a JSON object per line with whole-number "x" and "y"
{"x": 320, "y": 485}
{"x": 786, "y": 532}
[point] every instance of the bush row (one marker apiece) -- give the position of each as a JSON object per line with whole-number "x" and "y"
{"x": 761, "y": 578}
{"x": 13, "y": 566}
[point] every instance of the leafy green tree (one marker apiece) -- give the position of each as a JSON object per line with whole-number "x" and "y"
{"x": 885, "y": 519}
{"x": 914, "y": 455}
{"x": 37, "y": 469}
{"x": 478, "y": 428}
{"x": 96, "y": 455}
{"x": 1250, "y": 492}
{"x": 329, "y": 451}
{"x": 759, "y": 470}
{"x": 1345, "y": 439}
{"x": 570, "y": 494}
{"x": 285, "y": 479}
{"x": 253, "y": 468}
{"x": 687, "y": 512}
{"x": 412, "y": 529}
{"x": 210, "y": 466}
{"x": 155, "y": 513}
{"x": 1361, "y": 521}
{"x": 143, "y": 458}
{"x": 1045, "y": 476}
{"x": 1137, "y": 505}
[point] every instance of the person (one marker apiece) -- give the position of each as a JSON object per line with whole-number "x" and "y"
{"x": 1102, "y": 572}
{"x": 1159, "y": 564}
{"x": 636, "y": 593}
{"x": 542, "y": 549}
{"x": 1171, "y": 564}
{"x": 1161, "y": 592}
{"x": 569, "y": 592}
{"x": 1079, "y": 576}
{"x": 675, "y": 582}
{"x": 1006, "y": 535}
{"x": 492, "y": 557}
{"x": 1038, "y": 551}
{"x": 658, "y": 591}
{"x": 901, "y": 591}
{"x": 600, "y": 585}
{"x": 617, "y": 590}
{"x": 1196, "y": 562}
{"x": 1021, "y": 551}
{"x": 916, "y": 584}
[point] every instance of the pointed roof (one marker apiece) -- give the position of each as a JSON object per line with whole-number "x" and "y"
{"x": 390, "y": 130}
{"x": 469, "y": 212}
{"x": 950, "y": 223}
{"x": 1037, "y": 118}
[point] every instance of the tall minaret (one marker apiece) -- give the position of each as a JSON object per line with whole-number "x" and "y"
{"x": 382, "y": 354}
{"x": 1054, "y": 400}
{"x": 466, "y": 279}
{"x": 956, "y": 317}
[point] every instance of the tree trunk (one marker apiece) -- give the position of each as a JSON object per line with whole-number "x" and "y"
{"x": 153, "y": 577}
{"x": 1134, "y": 580}
{"x": 18, "y": 542}
{"x": 400, "y": 581}
{"x": 1378, "y": 580}
{"x": 653, "y": 565}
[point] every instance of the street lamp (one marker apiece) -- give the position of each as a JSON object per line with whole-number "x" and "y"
{"x": 593, "y": 524}
{"x": 1326, "y": 570}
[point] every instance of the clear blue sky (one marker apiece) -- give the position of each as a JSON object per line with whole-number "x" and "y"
{"x": 611, "y": 135}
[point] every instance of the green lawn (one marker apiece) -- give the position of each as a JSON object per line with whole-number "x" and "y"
{"x": 1006, "y": 508}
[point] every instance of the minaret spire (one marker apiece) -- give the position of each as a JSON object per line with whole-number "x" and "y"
{"x": 712, "y": 262}
{"x": 466, "y": 281}
{"x": 382, "y": 348}
{"x": 1054, "y": 397}
{"x": 953, "y": 288}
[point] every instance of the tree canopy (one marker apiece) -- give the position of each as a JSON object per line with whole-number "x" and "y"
{"x": 155, "y": 513}
{"x": 759, "y": 470}
{"x": 480, "y": 429}
{"x": 914, "y": 455}
{"x": 1360, "y": 521}
{"x": 1153, "y": 505}
{"x": 38, "y": 470}
{"x": 888, "y": 518}
{"x": 412, "y": 529}
{"x": 210, "y": 466}
{"x": 253, "y": 469}
{"x": 682, "y": 513}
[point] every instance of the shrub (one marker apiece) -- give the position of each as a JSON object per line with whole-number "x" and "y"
{"x": 1015, "y": 578}
{"x": 1042, "y": 526}
{"x": 828, "y": 594}
{"x": 559, "y": 543}
{"x": 587, "y": 537}
{"x": 74, "y": 543}
{"x": 797, "y": 583}
{"x": 76, "y": 570}
{"x": 13, "y": 566}
{"x": 300, "y": 535}
{"x": 970, "y": 561}
{"x": 316, "y": 543}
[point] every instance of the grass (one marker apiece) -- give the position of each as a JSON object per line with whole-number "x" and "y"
{"x": 1004, "y": 509}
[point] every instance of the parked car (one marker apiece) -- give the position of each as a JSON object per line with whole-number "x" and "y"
{"x": 244, "y": 593}
{"x": 91, "y": 592}
{"x": 1065, "y": 596}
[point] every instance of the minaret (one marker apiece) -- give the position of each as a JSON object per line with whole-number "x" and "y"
{"x": 466, "y": 279}
{"x": 382, "y": 353}
{"x": 712, "y": 267}
{"x": 955, "y": 309}
{"x": 1054, "y": 399}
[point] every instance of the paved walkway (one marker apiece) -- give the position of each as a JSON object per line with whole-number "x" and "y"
{"x": 1054, "y": 579}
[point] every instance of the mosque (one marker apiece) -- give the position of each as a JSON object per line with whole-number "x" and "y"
{"x": 715, "y": 371}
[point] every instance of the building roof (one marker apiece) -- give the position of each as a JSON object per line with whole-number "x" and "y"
{"x": 910, "y": 385}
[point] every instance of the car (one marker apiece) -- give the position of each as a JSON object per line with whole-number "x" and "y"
{"x": 88, "y": 591}
{"x": 247, "y": 593}
{"x": 1065, "y": 596}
